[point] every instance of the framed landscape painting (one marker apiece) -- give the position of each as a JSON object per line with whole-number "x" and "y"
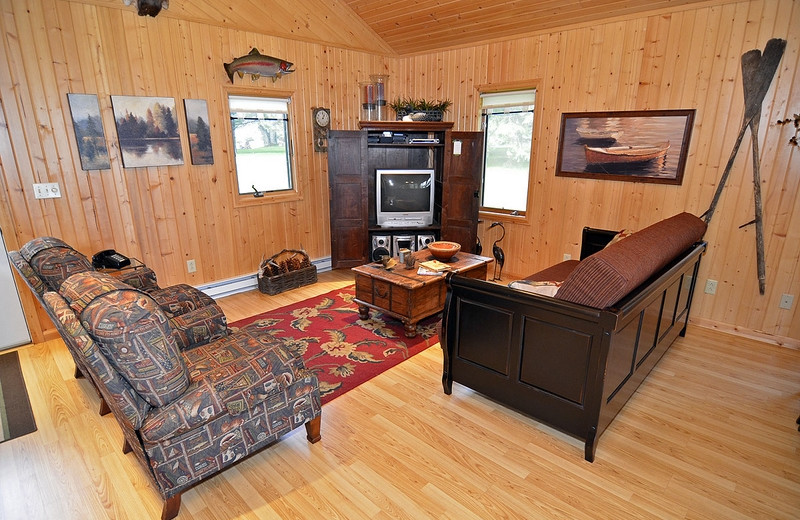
{"x": 89, "y": 134}
{"x": 199, "y": 131}
{"x": 147, "y": 128}
{"x": 637, "y": 146}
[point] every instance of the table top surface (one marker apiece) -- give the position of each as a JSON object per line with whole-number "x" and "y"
{"x": 399, "y": 275}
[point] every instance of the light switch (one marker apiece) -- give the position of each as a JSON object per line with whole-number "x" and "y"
{"x": 456, "y": 147}
{"x": 46, "y": 190}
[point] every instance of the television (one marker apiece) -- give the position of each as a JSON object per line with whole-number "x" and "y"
{"x": 404, "y": 198}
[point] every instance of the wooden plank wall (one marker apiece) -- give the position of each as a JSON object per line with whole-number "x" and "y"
{"x": 684, "y": 59}
{"x": 164, "y": 215}
{"x": 687, "y": 59}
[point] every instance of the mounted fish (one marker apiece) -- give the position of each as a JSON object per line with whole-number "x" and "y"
{"x": 258, "y": 65}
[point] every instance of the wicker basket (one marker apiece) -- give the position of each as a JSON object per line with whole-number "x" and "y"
{"x": 286, "y": 270}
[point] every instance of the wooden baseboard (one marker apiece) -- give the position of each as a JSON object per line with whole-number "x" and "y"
{"x": 781, "y": 341}
{"x": 51, "y": 334}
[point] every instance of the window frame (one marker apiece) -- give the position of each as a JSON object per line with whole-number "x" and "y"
{"x": 491, "y": 88}
{"x": 244, "y": 200}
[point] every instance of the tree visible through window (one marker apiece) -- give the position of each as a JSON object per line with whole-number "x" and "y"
{"x": 507, "y": 120}
{"x": 261, "y": 144}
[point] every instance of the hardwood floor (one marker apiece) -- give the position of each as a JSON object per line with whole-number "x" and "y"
{"x": 711, "y": 434}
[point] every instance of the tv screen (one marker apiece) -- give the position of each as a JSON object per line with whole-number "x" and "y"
{"x": 404, "y": 197}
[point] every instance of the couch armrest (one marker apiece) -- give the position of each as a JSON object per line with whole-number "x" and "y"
{"x": 180, "y": 299}
{"x": 198, "y": 327}
{"x": 26, "y": 272}
{"x": 142, "y": 278}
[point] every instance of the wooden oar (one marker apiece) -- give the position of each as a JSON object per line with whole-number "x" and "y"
{"x": 757, "y": 73}
{"x": 756, "y": 80}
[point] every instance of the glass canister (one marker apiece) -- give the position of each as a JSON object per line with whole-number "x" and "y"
{"x": 381, "y": 110}
{"x": 368, "y": 107}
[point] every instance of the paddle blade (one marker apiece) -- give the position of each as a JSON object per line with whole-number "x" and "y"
{"x": 757, "y": 72}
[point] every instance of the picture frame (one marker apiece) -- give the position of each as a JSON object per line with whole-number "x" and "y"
{"x": 147, "y": 129}
{"x": 89, "y": 134}
{"x": 199, "y": 130}
{"x": 633, "y": 146}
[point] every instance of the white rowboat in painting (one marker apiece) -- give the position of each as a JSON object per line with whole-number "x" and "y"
{"x": 625, "y": 154}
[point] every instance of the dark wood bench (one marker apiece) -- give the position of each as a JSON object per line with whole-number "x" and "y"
{"x": 567, "y": 364}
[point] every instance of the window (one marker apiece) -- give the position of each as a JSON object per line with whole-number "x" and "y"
{"x": 261, "y": 143}
{"x": 507, "y": 121}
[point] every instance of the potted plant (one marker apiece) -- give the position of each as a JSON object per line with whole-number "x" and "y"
{"x": 410, "y": 109}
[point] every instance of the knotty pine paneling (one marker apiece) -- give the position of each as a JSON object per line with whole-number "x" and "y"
{"x": 683, "y": 59}
{"x": 688, "y": 59}
{"x": 162, "y": 215}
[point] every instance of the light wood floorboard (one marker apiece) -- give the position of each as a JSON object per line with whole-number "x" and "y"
{"x": 711, "y": 434}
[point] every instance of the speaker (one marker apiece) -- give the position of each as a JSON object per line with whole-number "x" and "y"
{"x": 404, "y": 241}
{"x": 381, "y": 246}
{"x": 424, "y": 240}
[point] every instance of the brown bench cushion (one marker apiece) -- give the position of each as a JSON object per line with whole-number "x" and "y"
{"x": 554, "y": 273}
{"x": 604, "y": 278}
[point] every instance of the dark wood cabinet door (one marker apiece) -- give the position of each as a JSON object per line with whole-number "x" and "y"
{"x": 460, "y": 189}
{"x": 348, "y": 198}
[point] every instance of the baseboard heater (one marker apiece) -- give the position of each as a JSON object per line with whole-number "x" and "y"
{"x": 248, "y": 282}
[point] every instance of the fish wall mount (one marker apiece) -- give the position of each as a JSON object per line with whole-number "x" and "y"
{"x": 257, "y": 65}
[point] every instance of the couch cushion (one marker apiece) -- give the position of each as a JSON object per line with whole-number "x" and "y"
{"x": 131, "y": 404}
{"x": 132, "y": 332}
{"x": 56, "y": 264}
{"x": 40, "y": 244}
{"x": 604, "y": 278}
{"x": 554, "y": 273}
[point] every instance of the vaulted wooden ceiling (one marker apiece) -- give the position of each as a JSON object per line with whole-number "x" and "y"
{"x": 408, "y": 26}
{"x": 415, "y": 26}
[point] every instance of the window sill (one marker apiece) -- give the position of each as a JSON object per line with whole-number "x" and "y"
{"x": 488, "y": 215}
{"x": 244, "y": 201}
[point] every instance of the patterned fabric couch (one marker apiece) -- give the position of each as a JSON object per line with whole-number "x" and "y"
{"x": 45, "y": 262}
{"x": 187, "y": 408}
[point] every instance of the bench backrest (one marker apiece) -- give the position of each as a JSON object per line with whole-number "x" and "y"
{"x": 602, "y": 279}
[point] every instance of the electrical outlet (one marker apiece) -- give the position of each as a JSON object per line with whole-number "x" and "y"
{"x": 567, "y": 256}
{"x": 46, "y": 190}
{"x": 786, "y": 301}
{"x": 191, "y": 266}
{"x": 711, "y": 286}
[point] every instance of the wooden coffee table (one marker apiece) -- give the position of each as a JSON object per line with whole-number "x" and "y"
{"x": 409, "y": 296}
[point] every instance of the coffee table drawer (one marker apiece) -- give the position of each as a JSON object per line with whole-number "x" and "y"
{"x": 375, "y": 292}
{"x": 381, "y": 294}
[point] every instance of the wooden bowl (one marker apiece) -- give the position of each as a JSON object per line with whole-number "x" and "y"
{"x": 443, "y": 250}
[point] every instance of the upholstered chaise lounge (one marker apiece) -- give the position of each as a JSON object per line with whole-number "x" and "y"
{"x": 189, "y": 403}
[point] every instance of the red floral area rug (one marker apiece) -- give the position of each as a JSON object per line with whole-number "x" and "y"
{"x": 340, "y": 348}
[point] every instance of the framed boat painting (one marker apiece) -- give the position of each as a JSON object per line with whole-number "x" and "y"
{"x": 636, "y": 146}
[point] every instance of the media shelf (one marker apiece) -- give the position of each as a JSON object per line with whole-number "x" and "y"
{"x": 406, "y": 126}
{"x": 405, "y": 229}
{"x": 354, "y": 156}
{"x": 405, "y": 145}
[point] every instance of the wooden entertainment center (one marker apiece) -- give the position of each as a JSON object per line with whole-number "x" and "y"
{"x": 355, "y": 155}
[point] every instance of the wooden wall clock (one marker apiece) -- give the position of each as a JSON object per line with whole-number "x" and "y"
{"x": 321, "y": 122}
